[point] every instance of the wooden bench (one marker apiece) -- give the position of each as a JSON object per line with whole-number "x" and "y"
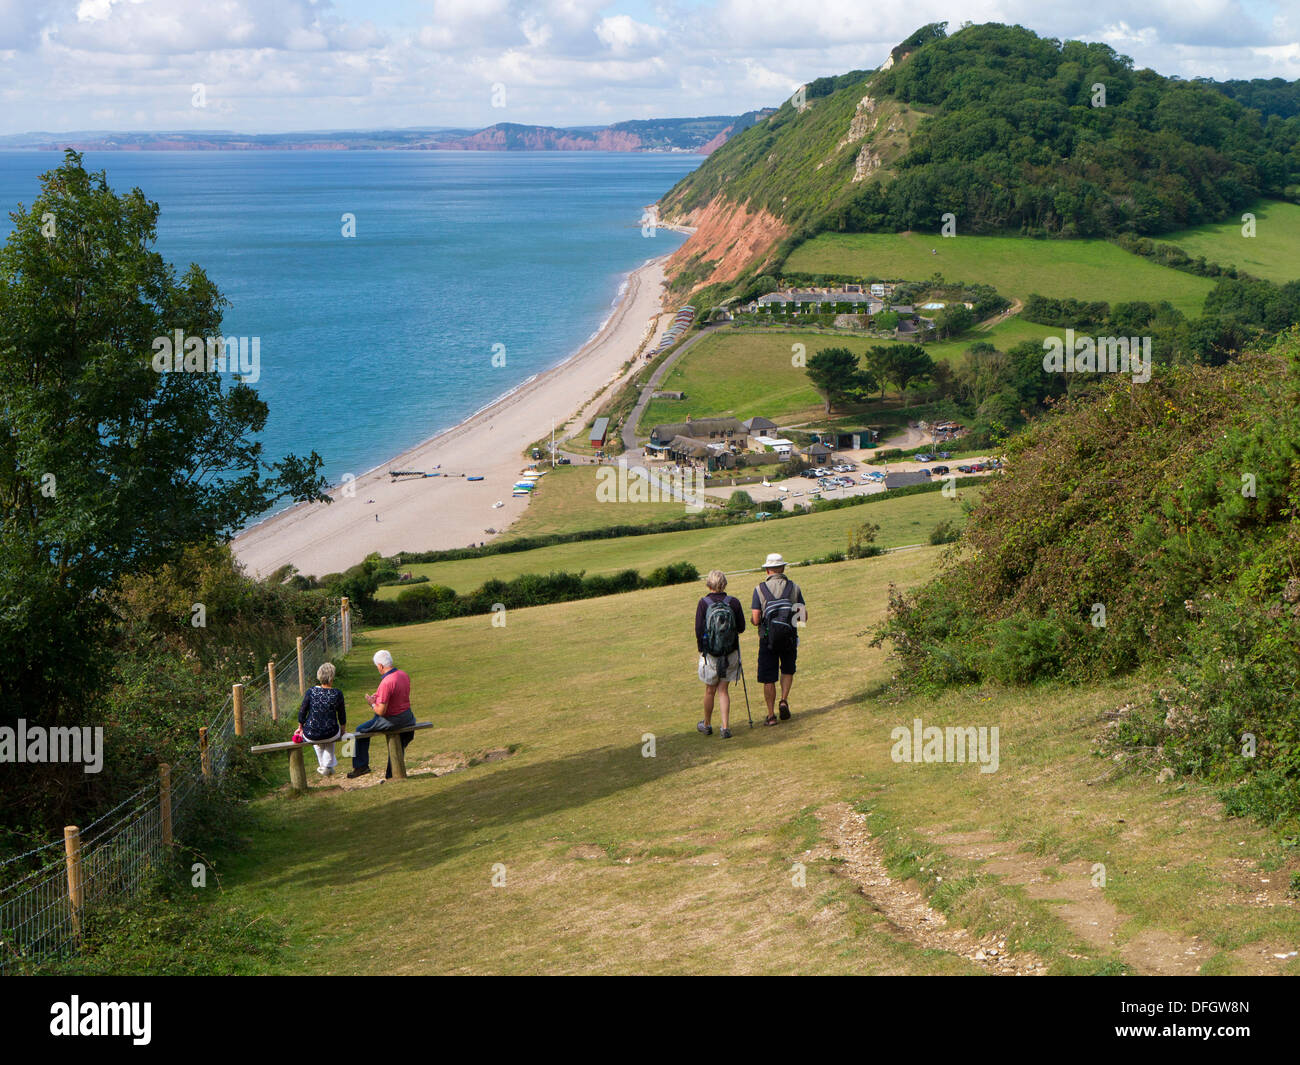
{"x": 298, "y": 770}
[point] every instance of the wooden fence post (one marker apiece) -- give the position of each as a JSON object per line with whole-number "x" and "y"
{"x": 325, "y": 638}
{"x": 346, "y": 626}
{"x": 165, "y": 801}
{"x": 237, "y": 696}
{"x": 302, "y": 676}
{"x": 205, "y": 758}
{"x": 275, "y": 700}
{"x": 76, "y": 883}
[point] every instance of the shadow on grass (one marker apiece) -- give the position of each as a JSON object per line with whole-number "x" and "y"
{"x": 419, "y": 824}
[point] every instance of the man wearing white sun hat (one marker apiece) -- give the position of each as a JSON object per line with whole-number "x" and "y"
{"x": 778, "y": 609}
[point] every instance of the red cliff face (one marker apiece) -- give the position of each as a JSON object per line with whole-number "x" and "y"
{"x": 729, "y": 235}
{"x": 538, "y": 139}
{"x": 716, "y": 143}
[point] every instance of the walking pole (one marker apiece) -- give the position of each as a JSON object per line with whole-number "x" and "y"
{"x": 745, "y": 687}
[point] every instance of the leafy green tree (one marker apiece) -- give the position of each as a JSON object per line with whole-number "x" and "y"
{"x": 953, "y": 320}
{"x": 910, "y": 363}
{"x": 107, "y": 467}
{"x": 880, "y": 362}
{"x": 837, "y": 375}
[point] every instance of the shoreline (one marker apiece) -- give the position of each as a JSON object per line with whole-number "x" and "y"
{"x": 448, "y": 510}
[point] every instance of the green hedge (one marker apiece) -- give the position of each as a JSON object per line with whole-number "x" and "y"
{"x": 433, "y": 602}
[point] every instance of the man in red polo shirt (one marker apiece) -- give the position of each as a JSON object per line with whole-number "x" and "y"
{"x": 392, "y": 706}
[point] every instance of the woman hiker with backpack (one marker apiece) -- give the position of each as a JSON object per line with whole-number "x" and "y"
{"x": 719, "y": 621}
{"x": 778, "y": 608}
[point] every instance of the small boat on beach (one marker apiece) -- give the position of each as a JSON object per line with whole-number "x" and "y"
{"x": 474, "y": 478}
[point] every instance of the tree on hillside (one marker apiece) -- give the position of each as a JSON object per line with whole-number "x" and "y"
{"x": 879, "y": 361}
{"x": 836, "y": 374}
{"x": 953, "y": 320}
{"x": 108, "y": 467}
{"x": 910, "y": 363}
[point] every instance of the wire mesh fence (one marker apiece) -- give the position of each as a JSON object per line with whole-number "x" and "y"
{"x": 41, "y": 912}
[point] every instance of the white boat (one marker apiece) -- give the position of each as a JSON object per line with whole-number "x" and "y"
{"x": 498, "y": 503}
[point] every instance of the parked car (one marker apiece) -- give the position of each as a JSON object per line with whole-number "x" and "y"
{"x": 940, "y": 471}
{"x": 964, "y": 469}
{"x": 923, "y": 457}
{"x": 944, "y": 455}
{"x": 562, "y": 461}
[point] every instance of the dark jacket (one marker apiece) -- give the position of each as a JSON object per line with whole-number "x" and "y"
{"x": 321, "y": 713}
{"x": 702, "y": 608}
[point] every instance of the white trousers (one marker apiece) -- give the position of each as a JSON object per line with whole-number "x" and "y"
{"x": 325, "y": 752}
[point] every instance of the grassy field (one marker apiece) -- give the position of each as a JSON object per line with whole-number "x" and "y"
{"x": 1273, "y": 253}
{"x": 1015, "y": 266}
{"x": 905, "y": 520}
{"x": 565, "y": 501}
{"x": 688, "y": 860}
{"x": 748, "y": 373}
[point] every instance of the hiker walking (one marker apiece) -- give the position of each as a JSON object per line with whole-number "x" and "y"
{"x": 719, "y": 621}
{"x": 777, "y": 609}
{"x": 391, "y": 703}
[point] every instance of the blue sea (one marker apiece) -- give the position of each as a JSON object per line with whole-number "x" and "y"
{"x": 373, "y": 343}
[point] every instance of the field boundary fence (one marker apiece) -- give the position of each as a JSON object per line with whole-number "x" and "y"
{"x": 42, "y": 913}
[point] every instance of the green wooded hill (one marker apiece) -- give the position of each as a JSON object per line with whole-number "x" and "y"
{"x": 1006, "y": 130}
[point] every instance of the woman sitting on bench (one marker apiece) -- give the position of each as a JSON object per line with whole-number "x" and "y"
{"x": 322, "y": 719}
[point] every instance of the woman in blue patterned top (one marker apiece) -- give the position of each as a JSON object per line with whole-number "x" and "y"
{"x": 322, "y": 718}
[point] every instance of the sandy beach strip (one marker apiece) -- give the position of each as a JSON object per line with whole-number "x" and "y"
{"x": 430, "y": 513}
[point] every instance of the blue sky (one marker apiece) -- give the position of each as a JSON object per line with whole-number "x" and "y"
{"x": 268, "y": 65}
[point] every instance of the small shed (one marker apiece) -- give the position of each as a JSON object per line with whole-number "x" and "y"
{"x": 599, "y": 430}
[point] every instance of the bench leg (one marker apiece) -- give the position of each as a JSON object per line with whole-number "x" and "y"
{"x": 297, "y": 771}
{"x": 396, "y": 756}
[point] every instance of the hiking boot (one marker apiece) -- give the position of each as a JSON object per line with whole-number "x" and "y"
{"x": 358, "y": 773}
{"x": 707, "y": 730}
{"x": 785, "y": 710}
{"x": 726, "y": 733}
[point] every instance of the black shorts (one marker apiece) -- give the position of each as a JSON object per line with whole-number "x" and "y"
{"x": 771, "y": 664}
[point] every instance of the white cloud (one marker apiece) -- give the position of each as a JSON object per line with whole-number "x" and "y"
{"x": 622, "y": 34}
{"x": 312, "y": 64}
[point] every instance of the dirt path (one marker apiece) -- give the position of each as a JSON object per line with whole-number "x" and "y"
{"x": 848, "y": 840}
{"x": 1088, "y": 913}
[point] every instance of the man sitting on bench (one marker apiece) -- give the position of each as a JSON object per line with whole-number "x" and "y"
{"x": 392, "y": 706}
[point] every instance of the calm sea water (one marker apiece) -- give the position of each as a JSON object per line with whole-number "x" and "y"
{"x": 372, "y": 344}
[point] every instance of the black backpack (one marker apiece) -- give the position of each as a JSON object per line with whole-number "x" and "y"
{"x": 720, "y": 637}
{"x": 778, "y": 617}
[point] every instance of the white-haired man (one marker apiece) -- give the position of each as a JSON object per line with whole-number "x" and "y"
{"x": 778, "y": 609}
{"x": 391, "y": 703}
